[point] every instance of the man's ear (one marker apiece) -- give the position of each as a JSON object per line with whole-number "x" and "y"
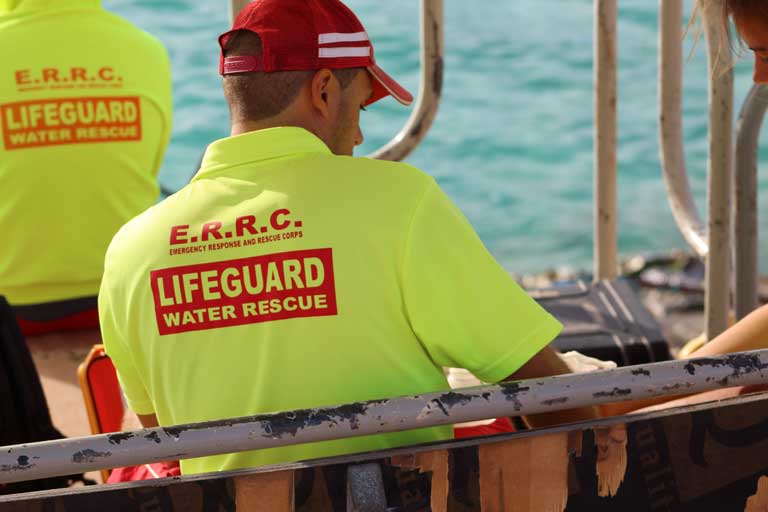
{"x": 324, "y": 91}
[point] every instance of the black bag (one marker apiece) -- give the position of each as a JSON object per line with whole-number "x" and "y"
{"x": 24, "y": 415}
{"x": 605, "y": 320}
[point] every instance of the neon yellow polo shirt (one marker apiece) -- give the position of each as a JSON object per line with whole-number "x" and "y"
{"x": 85, "y": 116}
{"x": 285, "y": 277}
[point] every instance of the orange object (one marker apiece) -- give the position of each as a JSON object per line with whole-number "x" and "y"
{"x": 101, "y": 393}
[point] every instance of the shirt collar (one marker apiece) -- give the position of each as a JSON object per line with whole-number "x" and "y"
{"x": 258, "y": 146}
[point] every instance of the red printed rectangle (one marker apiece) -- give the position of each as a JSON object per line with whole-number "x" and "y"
{"x": 244, "y": 291}
{"x": 52, "y": 122}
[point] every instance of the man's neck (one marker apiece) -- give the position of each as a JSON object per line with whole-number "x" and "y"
{"x": 241, "y": 127}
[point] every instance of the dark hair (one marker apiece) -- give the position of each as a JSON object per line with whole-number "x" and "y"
{"x": 257, "y": 95}
{"x": 741, "y": 9}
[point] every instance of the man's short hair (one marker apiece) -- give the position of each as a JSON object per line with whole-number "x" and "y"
{"x": 257, "y": 95}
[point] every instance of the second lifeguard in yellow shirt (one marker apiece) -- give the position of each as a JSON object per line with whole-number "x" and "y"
{"x": 85, "y": 117}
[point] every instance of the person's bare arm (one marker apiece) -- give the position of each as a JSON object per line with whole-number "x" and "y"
{"x": 749, "y": 333}
{"x": 148, "y": 420}
{"x": 545, "y": 364}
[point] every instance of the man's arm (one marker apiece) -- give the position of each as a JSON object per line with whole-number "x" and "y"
{"x": 112, "y": 320}
{"x": 545, "y": 364}
{"x": 466, "y": 309}
{"x": 750, "y": 333}
{"x": 148, "y": 420}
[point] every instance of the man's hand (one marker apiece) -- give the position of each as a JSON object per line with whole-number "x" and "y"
{"x": 546, "y": 364}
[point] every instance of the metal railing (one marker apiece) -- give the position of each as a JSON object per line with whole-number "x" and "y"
{"x": 605, "y": 245}
{"x": 719, "y": 172}
{"x": 713, "y": 244}
{"x": 671, "y": 143}
{"x": 745, "y": 200}
{"x": 430, "y": 86}
{"x": 68, "y": 456}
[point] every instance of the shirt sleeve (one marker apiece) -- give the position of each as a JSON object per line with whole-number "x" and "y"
{"x": 116, "y": 346}
{"x": 463, "y": 306}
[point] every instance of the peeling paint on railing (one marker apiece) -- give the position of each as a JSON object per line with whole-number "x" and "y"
{"x": 68, "y": 456}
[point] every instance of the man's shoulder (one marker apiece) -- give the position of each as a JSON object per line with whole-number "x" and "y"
{"x": 139, "y": 236}
{"x": 381, "y": 165}
{"x": 92, "y": 22}
{"x": 398, "y": 176}
{"x": 130, "y": 31}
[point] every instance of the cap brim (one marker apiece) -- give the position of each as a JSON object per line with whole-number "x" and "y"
{"x": 761, "y": 70}
{"x": 384, "y": 85}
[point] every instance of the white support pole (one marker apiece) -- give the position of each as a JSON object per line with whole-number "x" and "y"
{"x": 719, "y": 171}
{"x": 605, "y": 264}
{"x": 671, "y": 144}
{"x": 432, "y": 38}
{"x": 745, "y": 197}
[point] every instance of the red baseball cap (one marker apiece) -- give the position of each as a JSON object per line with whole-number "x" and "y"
{"x": 305, "y": 35}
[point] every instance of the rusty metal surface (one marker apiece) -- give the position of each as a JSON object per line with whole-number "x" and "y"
{"x": 51, "y": 458}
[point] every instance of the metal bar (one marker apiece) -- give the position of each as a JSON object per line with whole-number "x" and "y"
{"x": 235, "y": 6}
{"x": 605, "y": 264}
{"x": 430, "y": 87}
{"x": 745, "y": 207}
{"x": 671, "y": 127}
{"x": 64, "y": 457}
{"x": 719, "y": 171}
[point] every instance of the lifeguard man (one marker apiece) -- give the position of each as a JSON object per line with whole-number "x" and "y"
{"x": 85, "y": 117}
{"x": 289, "y": 274}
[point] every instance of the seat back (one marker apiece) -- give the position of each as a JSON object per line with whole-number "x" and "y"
{"x": 101, "y": 392}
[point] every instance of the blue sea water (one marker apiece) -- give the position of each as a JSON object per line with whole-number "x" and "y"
{"x": 512, "y": 142}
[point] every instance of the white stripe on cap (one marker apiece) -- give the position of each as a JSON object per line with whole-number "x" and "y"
{"x": 357, "y": 51}
{"x": 341, "y": 37}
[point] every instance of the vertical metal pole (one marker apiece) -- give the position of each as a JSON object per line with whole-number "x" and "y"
{"x": 745, "y": 221}
{"x": 719, "y": 171}
{"x": 605, "y": 139}
{"x": 235, "y": 6}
